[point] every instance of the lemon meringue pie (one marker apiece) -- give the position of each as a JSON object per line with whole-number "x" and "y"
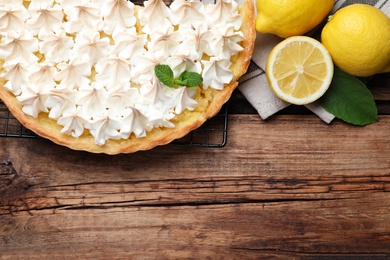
{"x": 81, "y": 72}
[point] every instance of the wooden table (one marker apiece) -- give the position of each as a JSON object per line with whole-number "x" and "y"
{"x": 291, "y": 186}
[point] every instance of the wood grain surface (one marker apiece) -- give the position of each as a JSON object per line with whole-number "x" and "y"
{"x": 289, "y": 187}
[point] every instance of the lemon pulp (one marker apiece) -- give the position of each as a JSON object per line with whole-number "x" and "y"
{"x": 299, "y": 70}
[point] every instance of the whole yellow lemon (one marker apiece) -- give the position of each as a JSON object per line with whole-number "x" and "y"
{"x": 358, "y": 39}
{"x": 287, "y": 18}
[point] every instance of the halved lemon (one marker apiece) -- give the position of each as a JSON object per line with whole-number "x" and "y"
{"x": 299, "y": 70}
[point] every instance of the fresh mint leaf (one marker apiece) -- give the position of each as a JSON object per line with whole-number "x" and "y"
{"x": 349, "y": 100}
{"x": 165, "y": 74}
{"x": 189, "y": 79}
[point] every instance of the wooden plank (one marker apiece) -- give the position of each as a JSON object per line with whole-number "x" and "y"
{"x": 279, "y": 145}
{"x": 288, "y": 187}
{"x": 249, "y": 230}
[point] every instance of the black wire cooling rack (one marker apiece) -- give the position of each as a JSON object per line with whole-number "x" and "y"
{"x": 213, "y": 133}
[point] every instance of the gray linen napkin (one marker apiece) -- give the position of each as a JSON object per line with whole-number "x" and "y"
{"x": 254, "y": 86}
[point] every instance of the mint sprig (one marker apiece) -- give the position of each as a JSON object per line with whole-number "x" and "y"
{"x": 165, "y": 74}
{"x": 349, "y": 100}
{"x": 186, "y": 79}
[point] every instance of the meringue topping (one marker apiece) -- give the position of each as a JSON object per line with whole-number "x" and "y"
{"x": 19, "y": 47}
{"x": 74, "y": 74}
{"x": 154, "y": 14}
{"x": 112, "y": 71}
{"x": 224, "y": 11}
{"x": 128, "y": 43}
{"x": 12, "y": 17}
{"x": 216, "y": 73}
{"x": 105, "y": 126}
{"x": 82, "y": 16}
{"x": 118, "y": 15}
{"x": 44, "y": 18}
{"x": 56, "y": 46}
{"x": 133, "y": 122}
{"x": 91, "y": 47}
{"x": 17, "y": 76}
{"x": 187, "y": 13}
{"x": 33, "y": 99}
{"x": 89, "y": 64}
{"x": 72, "y": 122}
{"x": 44, "y": 75}
{"x": 60, "y": 101}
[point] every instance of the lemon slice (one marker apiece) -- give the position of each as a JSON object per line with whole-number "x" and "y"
{"x": 299, "y": 70}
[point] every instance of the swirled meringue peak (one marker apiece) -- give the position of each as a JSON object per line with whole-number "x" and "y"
{"x": 224, "y": 11}
{"x": 118, "y": 15}
{"x": 91, "y": 46}
{"x": 154, "y": 14}
{"x": 16, "y": 76}
{"x": 89, "y": 64}
{"x": 56, "y": 46}
{"x": 83, "y": 16}
{"x": 44, "y": 17}
{"x": 19, "y": 47}
{"x": 187, "y": 13}
{"x": 12, "y": 16}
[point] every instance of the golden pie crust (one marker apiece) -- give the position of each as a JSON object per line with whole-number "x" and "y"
{"x": 210, "y": 102}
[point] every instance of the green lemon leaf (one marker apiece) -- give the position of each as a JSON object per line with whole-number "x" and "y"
{"x": 189, "y": 79}
{"x": 165, "y": 74}
{"x": 349, "y": 100}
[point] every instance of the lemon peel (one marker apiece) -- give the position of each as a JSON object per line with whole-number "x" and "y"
{"x": 287, "y": 18}
{"x": 358, "y": 39}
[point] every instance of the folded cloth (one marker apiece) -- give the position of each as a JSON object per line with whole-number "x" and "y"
{"x": 254, "y": 86}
